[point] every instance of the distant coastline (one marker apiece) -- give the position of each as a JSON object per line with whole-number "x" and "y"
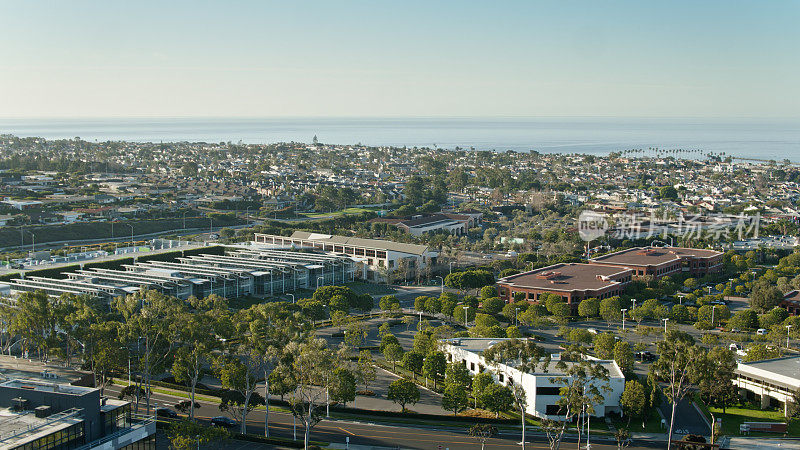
{"x": 756, "y": 139}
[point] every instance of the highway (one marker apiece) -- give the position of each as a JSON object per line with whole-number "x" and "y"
{"x": 422, "y": 436}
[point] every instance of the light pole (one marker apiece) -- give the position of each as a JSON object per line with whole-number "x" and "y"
{"x": 788, "y": 327}
{"x": 516, "y": 313}
{"x": 466, "y": 317}
{"x": 131, "y": 232}
{"x": 623, "y": 318}
{"x": 441, "y": 278}
{"x": 247, "y": 215}
{"x": 323, "y": 281}
{"x": 451, "y": 267}
{"x": 666, "y": 319}
{"x": 291, "y": 295}
{"x": 33, "y": 241}
{"x": 713, "y": 309}
{"x": 184, "y": 219}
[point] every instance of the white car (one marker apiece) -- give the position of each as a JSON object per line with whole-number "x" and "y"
{"x": 761, "y": 331}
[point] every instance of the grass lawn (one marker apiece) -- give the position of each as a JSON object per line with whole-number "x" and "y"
{"x": 651, "y": 425}
{"x": 342, "y": 212}
{"x": 735, "y": 416}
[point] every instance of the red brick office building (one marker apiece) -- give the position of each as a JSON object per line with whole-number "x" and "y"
{"x": 660, "y": 262}
{"x": 573, "y": 282}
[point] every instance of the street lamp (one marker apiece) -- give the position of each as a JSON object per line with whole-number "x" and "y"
{"x": 323, "y": 281}
{"x": 247, "y": 215}
{"x": 666, "y": 319}
{"x": 291, "y": 295}
{"x": 788, "y": 327}
{"x": 713, "y": 309}
{"x": 466, "y": 317}
{"x": 442, "y": 278}
{"x": 451, "y": 267}
{"x": 516, "y": 313}
{"x": 131, "y": 232}
{"x": 623, "y": 318}
{"x": 33, "y": 240}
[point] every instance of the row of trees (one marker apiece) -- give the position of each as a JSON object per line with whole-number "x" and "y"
{"x": 269, "y": 346}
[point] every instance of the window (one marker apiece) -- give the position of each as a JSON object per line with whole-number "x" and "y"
{"x": 554, "y": 390}
{"x": 551, "y": 410}
{"x": 472, "y": 366}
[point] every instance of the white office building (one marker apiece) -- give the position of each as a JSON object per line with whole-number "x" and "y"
{"x": 772, "y": 381}
{"x": 541, "y": 387}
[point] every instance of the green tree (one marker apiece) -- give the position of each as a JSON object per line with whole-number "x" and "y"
{"x": 488, "y": 292}
{"x": 604, "y": 345}
{"x": 343, "y": 386}
{"x": 633, "y": 401}
{"x": 412, "y": 360}
{"x": 454, "y": 399}
{"x": 746, "y": 319}
{"x": 717, "y": 375}
{"x": 366, "y": 369}
{"x": 479, "y": 384}
{"x": 764, "y": 296}
{"x": 589, "y": 307}
{"x": 393, "y": 353}
{"x": 312, "y": 364}
{"x": 493, "y": 305}
{"x": 434, "y": 366}
{"x": 677, "y": 367}
{"x": 389, "y": 303}
{"x": 623, "y": 355}
{"x": 497, "y": 398}
{"x": 611, "y": 309}
{"x": 403, "y": 392}
{"x": 760, "y": 352}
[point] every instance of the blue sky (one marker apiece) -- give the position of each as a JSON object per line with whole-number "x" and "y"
{"x": 381, "y": 58}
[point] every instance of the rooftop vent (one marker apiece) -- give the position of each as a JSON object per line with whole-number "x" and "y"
{"x": 548, "y": 275}
{"x": 43, "y": 411}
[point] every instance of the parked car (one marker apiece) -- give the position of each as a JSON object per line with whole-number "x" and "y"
{"x": 761, "y": 331}
{"x": 166, "y": 412}
{"x": 223, "y": 421}
{"x": 645, "y": 356}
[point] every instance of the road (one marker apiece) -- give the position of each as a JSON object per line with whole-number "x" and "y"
{"x": 365, "y": 433}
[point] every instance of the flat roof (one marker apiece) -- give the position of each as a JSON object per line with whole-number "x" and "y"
{"x": 566, "y": 277}
{"x": 378, "y": 244}
{"x": 44, "y": 386}
{"x": 479, "y": 345}
{"x": 646, "y": 256}
{"x": 788, "y": 366}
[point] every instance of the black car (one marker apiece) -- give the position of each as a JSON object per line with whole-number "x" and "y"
{"x": 645, "y": 356}
{"x": 166, "y": 412}
{"x": 222, "y": 421}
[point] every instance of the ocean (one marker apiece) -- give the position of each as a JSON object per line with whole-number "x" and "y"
{"x": 748, "y": 138}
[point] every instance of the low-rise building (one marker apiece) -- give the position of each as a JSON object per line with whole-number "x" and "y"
{"x": 662, "y": 261}
{"x": 377, "y": 259}
{"x": 772, "y": 381}
{"x": 791, "y": 302}
{"x": 542, "y": 386}
{"x": 42, "y": 414}
{"x": 573, "y": 282}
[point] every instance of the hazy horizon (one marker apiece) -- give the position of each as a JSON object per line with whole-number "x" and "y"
{"x": 620, "y": 59}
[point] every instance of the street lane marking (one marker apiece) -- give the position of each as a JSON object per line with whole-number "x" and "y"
{"x": 348, "y": 432}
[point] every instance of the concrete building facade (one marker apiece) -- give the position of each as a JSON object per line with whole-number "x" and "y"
{"x": 541, "y": 387}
